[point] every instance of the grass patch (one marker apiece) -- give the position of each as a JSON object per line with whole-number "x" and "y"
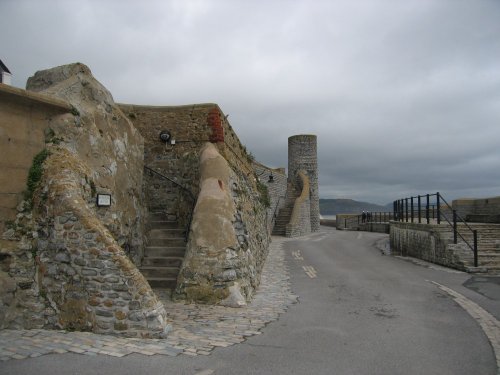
{"x": 35, "y": 175}
{"x": 264, "y": 194}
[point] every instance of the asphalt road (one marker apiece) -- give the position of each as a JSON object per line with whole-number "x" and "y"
{"x": 359, "y": 312}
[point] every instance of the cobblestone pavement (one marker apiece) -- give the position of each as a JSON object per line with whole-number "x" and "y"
{"x": 197, "y": 329}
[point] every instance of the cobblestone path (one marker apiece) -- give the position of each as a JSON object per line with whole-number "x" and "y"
{"x": 197, "y": 329}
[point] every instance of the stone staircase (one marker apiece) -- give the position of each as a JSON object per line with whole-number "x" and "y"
{"x": 285, "y": 213}
{"x": 164, "y": 253}
{"x": 488, "y": 248}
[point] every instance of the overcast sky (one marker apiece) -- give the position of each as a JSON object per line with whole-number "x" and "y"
{"x": 404, "y": 96}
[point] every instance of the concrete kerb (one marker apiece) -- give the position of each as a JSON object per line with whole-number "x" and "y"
{"x": 198, "y": 329}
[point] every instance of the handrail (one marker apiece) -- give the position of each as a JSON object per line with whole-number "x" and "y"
{"x": 273, "y": 218}
{"x": 277, "y": 206}
{"x": 401, "y": 211}
{"x": 191, "y": 195}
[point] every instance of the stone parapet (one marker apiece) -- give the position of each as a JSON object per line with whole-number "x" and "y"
{"x": 424, "y": 241}
{"x": 478, "y": 210}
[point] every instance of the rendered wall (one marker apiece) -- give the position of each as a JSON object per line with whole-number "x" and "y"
{"x": 24, "y": 120}
{"x": 229, "y": 240}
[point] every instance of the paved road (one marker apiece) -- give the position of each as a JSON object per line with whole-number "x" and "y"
{"x": 359, "y": 312}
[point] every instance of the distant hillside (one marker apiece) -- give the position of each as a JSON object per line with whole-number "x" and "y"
{"x": 349, "y": 206}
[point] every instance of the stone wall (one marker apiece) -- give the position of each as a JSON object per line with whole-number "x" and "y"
{"x": 348, "y": 222}
{"x": 25, "y": 118}
{"x": 83, "y": 273}
{"x": 176, "y": 159}
{"x": 190, "y": 127}
{"x": 276, "y": 189}
{"x": 300, "y": 221}
{"x": 375, "y": 227}
{"x": 423, "y": 241}
{"x": 204, "y": 274}
{"x": 228, "y": 242}
{"x": 485, "y": 210}
{"x": 68, "y": 263}
{"x": 302, "y": 155}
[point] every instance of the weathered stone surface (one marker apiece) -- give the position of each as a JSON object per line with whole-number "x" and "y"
{"x": 74, "y": 262}
{"x": 302, "y": 157}
{"x": 228, "y": 239}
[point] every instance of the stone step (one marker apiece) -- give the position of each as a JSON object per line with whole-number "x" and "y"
{"x": 159, "y": 214}
{"x": 162, "y": 224}
{"x": 164, "y": 251}
{"x": 163, "y": 282}
{"x": 171, "y": 261}
{"x": 282, "y": 221}
{"x": 167, "y": 242}
{"x": 151, "y": 272}
{"x": 172, "y": 233}
{"x": 279, "y": 231}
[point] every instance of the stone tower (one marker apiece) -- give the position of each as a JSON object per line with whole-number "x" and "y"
{"x": 303, "y": 155}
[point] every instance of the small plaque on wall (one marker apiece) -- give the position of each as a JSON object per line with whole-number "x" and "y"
{"x": 103, "y": 200}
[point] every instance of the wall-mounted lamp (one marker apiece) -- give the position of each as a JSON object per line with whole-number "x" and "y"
{"x": 165, "y": 136}
{"x": 103, "y": 200}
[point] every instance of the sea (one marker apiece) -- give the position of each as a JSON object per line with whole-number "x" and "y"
{"x": 328, "y": 217}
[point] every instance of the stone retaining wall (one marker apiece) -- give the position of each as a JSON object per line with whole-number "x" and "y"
{"x": 423, "y": 241}
{"x": 82, "y": 273}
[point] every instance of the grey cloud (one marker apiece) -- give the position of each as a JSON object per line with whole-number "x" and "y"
{"x": 404, "y": 96}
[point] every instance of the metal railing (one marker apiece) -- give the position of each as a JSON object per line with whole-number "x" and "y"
{"x": 183, "y": 188}
{"x": 434, "y": 206}
{"x": 375, "y": 217}
{"x": 368, "y": 217}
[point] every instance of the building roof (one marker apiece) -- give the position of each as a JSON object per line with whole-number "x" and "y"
{"x": 4, "y": 68}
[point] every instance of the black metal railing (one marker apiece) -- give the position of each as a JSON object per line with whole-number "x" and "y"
{"x": 275, "y": 213}
{"x": 375, "y": 217}
{"x": 434, "y": 206}
{"x": 368, "y": 217}
{"x": 183, "y": 188}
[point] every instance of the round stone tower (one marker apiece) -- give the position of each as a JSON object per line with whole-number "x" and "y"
{"x": 303, "y": 155}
